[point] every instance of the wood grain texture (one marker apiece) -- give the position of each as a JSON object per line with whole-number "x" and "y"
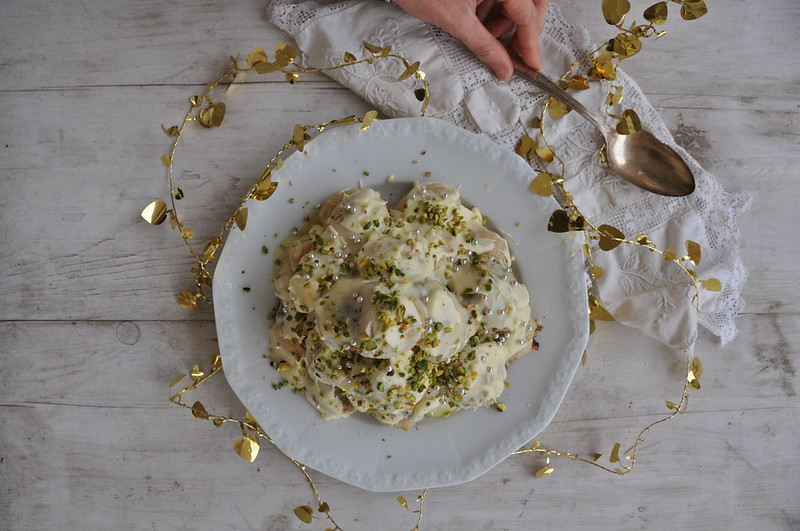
{"x": 90, "y": 334}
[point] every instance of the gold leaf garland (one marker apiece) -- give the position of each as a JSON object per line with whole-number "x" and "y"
{"x": 534, "y": 148}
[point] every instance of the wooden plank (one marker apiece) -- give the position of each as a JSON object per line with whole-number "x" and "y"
{"x": 149, "y": 42}
{"x": 737, "y": 50}
{"x": 81, "y": 165}
{"x": 100, "y": 43}
{"x": 98, "y": 252}
{"x": 89, "y": 437}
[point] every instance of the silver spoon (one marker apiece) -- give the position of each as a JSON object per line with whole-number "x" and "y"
{"x": 639, "y": 158}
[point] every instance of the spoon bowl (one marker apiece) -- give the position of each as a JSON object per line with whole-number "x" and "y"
{"x": 639, "y": 158}
{"x": 647, "y": 162}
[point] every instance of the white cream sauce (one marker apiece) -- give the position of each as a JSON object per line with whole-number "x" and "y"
{"x": 401, "y": 313}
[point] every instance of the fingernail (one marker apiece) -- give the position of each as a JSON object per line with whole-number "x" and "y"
{"x": 504, "y": 73}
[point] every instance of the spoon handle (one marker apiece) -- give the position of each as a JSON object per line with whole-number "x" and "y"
{"x": 544, "y": 83}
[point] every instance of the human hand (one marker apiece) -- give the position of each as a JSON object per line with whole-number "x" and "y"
{"x": 479, "y": 23}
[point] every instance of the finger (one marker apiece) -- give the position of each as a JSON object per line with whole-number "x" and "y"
{"x": 484, "y": 45}
{"x": 485, "y": 9}
{"x": 528, "y": 50}
{"x": 499, "y": 26}
{"x": 526, "y": 39}
{"x": 541, "y": 14}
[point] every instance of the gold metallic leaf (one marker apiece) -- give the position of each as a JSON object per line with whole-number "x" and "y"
{"x": 672, "y": 405}
{"x": 525, "y": 146}
{"x": 304, "y": 513}
{"x": 629, "y": 123}
{"x": 171, "y": 131}
{"x": 694, "y": 383}
{"x": 257, "y": 56}
{"x": 369, "y": 117}
{"x": 247, "y": 448}
{"x": 615, "y": 10}
{"x": 599, "y": 313}
{"x": 542, "y": 184}
{"x": 155, "y": 213}
{"x": 626, "y": 45}
{"x": 420, "y": 94}
{"x": 578, "y": 83}
{"x": 556, "y": 108}
{"x": 284, "y": 54}
{"x": 577, "y": 222}
{"x": 695, "y": 254}
{"x": 216, "y": 361}
{"x": 177, "y": 193}
{"x": 241, "y": 218}
{"x": 402, "y": 501}
{"x": 642, "y": 239}
{"x": 218, "y": 421}
{"x": 349, "y": 58}
{"x": 603, "y": 66}
{"x": 298, "y": 137}
{"x": 196, "y": 373}
{"x": 545, "y": 153}
{"x": 187, "y": 232}
{"x": 669, "y": 254}
{"x": 697, "y": 367}
{"x": 266, "y": 67}
{"x": 264, "y": 190}
{"x": 210, "y": 250}
{"x": 408, "y": 72}
{"x": 199, "y": 411}
{"x": 656, "y": 13}
{"x": 536, "y": 122}
{"x": 712, "y": 284}
{"x": 212, "y": 115}
{"x": 177, "y": 379}
{"x": 347, "y": 120}
{"x": 615, "y": 97}
{"x": 615, "y": 453}
{"x": 166, "y": 160}
{"x": 609, "y": 237}
{"x": 196, "y": 101}
{"x": 187, "y": 300}
{"x": 292, "y": 77}
{"x": 598, "y": 272}
{"x": 558, "y": 222}
{"x": 324, "y": 507}
{"x": 693, "y": 9}
{"x": 377, "y": 50}
{"x": 371, "y": 47}
{"x": 544, "y": 471}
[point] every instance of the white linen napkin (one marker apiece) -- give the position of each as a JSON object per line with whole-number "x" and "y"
{"x": 639, "y": 288}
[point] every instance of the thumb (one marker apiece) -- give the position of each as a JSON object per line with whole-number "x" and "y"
{"x": 484, "y": 45}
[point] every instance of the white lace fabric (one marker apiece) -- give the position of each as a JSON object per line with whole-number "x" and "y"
{"x": 639, "y": 288}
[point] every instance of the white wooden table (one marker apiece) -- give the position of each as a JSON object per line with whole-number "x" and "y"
{"x": 90, "y": 333}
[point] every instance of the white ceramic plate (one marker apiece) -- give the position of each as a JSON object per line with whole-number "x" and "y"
{"x": 358, "y": 450}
